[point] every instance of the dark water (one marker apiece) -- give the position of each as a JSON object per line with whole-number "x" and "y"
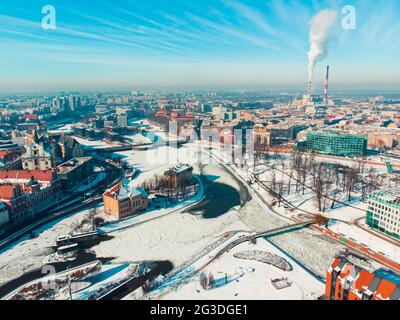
{"x": 158, "y": 268}
{"x": 83, "y": 257}
{"x": 219, "y": 197}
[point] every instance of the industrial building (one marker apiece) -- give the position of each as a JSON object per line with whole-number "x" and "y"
{"x": 346, "y": 281}
{"x": 383, "y": 211}
{"x": 337, "y": 144}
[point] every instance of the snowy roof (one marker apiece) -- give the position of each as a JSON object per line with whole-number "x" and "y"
{"x": 389, "y": 195}
{"x": 123, "y": 191}
{"x": 181, "y": 167}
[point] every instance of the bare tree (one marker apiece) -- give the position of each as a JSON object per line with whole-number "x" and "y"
{"x": 318, "y": 184}
{"x": 210, "y": 280}
{"x": 203, "y": 279}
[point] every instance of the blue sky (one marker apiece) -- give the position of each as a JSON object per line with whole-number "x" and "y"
{"x": 238, "y": 44}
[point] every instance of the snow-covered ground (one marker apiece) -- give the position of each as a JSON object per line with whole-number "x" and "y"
{"x": 139, "y": 138}
{"x": 29, "y": 253}
{"x": 93, "y": 180}
{"x": 108, "y": 277}
{"x": 175, "y": 236}
{"x": 93, "y": 143}
{"x": 348, "y": 211}
{"x": 365, "y": 238}
{"x": 64, "y": 128}
{"x": 180, "y": 235}
{"x": 248, "y": 279}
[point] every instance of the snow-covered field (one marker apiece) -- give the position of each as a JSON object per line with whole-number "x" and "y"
{"x": 92, "y": 143}
{"x": 245, "y": 279}
{"x": 347, "y": 211}
{"x": 175, "y": 237}
{"x": 369, "y": 240}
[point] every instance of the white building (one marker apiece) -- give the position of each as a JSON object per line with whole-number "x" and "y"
{"x": 383, "y": 212}
{"x": 122, "y": 120}
{"x": 36, "y": 158}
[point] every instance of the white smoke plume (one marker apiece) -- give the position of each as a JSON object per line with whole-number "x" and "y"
{"x": 319, "y": 36}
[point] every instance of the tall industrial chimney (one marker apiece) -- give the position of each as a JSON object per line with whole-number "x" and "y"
{"x": 309, "y": 90}
{"x": 326, "y": 85}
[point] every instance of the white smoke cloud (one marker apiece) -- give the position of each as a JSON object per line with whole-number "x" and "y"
{"x": 319, "y": 36}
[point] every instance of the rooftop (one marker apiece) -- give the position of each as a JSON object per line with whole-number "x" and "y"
{"x": 181, "y": 167}
{"x": 72, "y": 164}
{"x": 389, "y": 195}
{"x": 123, "y": 190}
{"x": 40, "y": 175}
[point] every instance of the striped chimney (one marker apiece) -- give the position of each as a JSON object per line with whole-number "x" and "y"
{"x": 309, "y": 89}
{"x": 326, "y": 85}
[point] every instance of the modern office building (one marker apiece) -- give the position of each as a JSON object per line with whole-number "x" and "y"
{"x": 383, "y": 211}
{"x": 122, "y": 120}
{"x": 337, "y": 144}
{"x": 346, "y": 281}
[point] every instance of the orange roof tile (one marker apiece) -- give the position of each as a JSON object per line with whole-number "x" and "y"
{"x": 40, "y": 175}
{"x": 384, "y": 290}
{"x": 6, "y": 192}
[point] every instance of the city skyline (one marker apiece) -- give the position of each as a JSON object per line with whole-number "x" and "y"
{"x": 185, "y": 45}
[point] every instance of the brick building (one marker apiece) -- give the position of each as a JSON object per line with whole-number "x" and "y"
{"x": 27, "y": 192}
{"x": 122, "y": 200}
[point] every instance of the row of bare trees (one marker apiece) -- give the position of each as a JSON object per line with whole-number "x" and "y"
{"x": 329, "y": 182}
{"x": 165, "y": 187}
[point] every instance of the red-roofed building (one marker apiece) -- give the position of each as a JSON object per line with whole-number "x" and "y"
{"x": 27, "y": 192}
{"x": 346, "y": 281}
{"x": 123, "y": 200}
{"x": 30, "y": 116}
